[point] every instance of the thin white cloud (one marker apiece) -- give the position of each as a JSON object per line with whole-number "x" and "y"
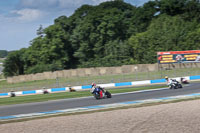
{"x": 137, "y": 2}
{"x": 37, "y": 4}
{"x": 42, "y": 4}
{"x": 78, "y": 3}
{"x": 27, "y": 14}
{"x": 57, "y": 8}
{"x": 99, "y": 1}
{"x": 21, "y": 16}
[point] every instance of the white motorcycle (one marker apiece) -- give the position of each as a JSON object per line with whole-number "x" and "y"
{"x": 175, "y": 84}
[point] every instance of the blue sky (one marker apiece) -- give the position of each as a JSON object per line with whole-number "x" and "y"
{"x": 19, "y": 19}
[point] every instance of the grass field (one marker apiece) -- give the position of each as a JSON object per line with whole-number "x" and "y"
{"x": 1, "y": 61}
{"x": 74, "y": 81}
{"x": 64, "y": 95}
{"x": 2, "y": 76}
{"x": 1, "y": 68}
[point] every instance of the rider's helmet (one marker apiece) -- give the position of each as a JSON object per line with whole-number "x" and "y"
{"x": 166, "y": 77}
{"x": 93, "y": 84}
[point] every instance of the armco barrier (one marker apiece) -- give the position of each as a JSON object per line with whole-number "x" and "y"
{"x": 123, "y": 84}
{"x": 158, "y": 81}
{"x": 194, "y": 77}
{"x": 135, "y": 83}
{"x": 57, "y": 89}
{"x": 3, "y": 94}
{"x": 29, "y": 92}
{"x": 86, "y": 87}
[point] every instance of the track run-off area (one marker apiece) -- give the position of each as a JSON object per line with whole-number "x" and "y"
{"x": 74, "y": 103}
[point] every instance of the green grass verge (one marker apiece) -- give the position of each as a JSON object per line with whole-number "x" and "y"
{"x": 1, "y": 61}
{"x": 1, "y": 65}
{"x": 76, "y": 81}
{"x": 64, "y": 95}
{"x": 2, "y": 77}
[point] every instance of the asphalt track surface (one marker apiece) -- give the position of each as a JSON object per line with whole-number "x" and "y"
{"x": 91, "y": 101}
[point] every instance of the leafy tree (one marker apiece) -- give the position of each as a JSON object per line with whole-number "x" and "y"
{"x": 143, "y": 15}
{"x": 172, "y": 7}
{"x": 40, "y": 31}
{"x": 188, "y": 9}
{"x": 192, "y": 40}
{"x": 192, "y": 10}
{"x": 3, "y": 53}
{"x": 165, "y": 33}
{"x": 14, "y": 64}
{"x": 108, "y": 22}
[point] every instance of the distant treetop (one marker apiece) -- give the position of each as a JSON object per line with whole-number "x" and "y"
{"x": 3, "y": 53}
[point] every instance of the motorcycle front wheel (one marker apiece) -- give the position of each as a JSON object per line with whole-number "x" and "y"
{"x": 97, "y": 96}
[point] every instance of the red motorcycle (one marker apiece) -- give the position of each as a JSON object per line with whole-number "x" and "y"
{"x": 184, "y": 81}
{"x": 100, "y": 93}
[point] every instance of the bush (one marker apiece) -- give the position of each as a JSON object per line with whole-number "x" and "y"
{"x": 39, "y": 68}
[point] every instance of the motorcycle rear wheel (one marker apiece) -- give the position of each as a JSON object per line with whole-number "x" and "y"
{"x": 108, "y": 94}
{"x": 180, "y": 86}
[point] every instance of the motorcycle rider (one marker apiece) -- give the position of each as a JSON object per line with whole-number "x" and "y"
{"x": 95, "y": 86}
{"x": 169, "y": 81}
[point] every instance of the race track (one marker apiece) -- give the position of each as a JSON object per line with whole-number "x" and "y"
{"x": 90, "y": 101}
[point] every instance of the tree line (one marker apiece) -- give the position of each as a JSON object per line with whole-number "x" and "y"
{"x": 3, "y": 53}
{"x": 112, "y": 33}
